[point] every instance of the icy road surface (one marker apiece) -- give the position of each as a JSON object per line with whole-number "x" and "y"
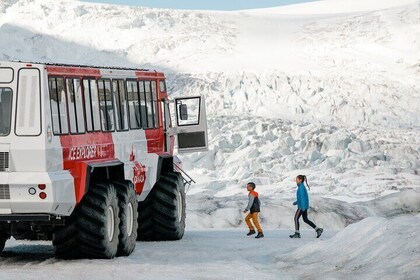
{"x": 212, "y": 254}
{"x": 374, "y": 248}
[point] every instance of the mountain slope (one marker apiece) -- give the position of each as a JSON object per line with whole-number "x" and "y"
{"x": 328, "y": 89}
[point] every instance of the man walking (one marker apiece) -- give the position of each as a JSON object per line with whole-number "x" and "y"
{"x": 254, "y": 209}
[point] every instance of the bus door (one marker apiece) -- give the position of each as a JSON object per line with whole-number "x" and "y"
{"x": 191, "y": 122}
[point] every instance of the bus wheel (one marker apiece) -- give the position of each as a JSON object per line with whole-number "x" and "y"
{"x": 3, "y": 239}
{"x": 167, "y": 203}
{"x": 127, "y": 201}
{"x": 145, "y": 230}
{"x": 93, "y": 229}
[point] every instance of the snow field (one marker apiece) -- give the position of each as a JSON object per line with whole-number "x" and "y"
{"x": 375, "y": 248}
{"x": 374, "y": 42}
{"x": 345, "y": 163}
{"x": 329, "y": 89}
{"x": 339, "y": 99}
{"x": 209, "y": 254}
{"x": 324, "y": 89}
{"x": 207, "y": 211}
{"x": 98, "y": 34}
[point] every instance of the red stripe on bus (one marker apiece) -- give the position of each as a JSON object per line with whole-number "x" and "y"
{"x": 149, "y": 74}
{"x": 155, "y": 140}
{"x": 73, "y": 71}
{"x": 80, "y": 150}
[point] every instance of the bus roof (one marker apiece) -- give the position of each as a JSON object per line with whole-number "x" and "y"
{"x": 95, "y": 71}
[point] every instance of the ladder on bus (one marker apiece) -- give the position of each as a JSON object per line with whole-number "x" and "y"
{"x": 187, "y": 178}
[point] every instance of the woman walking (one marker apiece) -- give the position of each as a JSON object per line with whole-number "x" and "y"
{"x": 302, "y": 203}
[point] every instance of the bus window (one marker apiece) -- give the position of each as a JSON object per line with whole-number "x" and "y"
{"x": 162, "y": 86}
{"x": 74, "y": 96}
{"x": 93, "y": 120}
{"x": 149, "y": 105}
{"x": 120, "y": 100}
{"x": 106, "y": 105}
{"x": 58, "y": 105}
{"x": 143, "y": 107}
{"x": 5, "y": 110}
{"x": 95, "y": 105}
{"x": 155, "y": 104}
{"x": 28, "y": 103}
{"x": 79, "y": 106}
{"x": 88, "y": 105}
{"x": 133, "y": 104}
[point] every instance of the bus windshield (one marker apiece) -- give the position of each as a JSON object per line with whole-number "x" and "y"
{"x": 5, "y": 110}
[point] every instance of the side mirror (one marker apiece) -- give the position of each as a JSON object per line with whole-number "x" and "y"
{"x": 183, "y": 109}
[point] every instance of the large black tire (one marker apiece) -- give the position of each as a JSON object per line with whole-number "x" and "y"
{"x": 127, "y": 201}
{"x": 145, "y": 229}
{"x": 3, "y": 239}
{"x": 162, "y": 214}
{"x": 92, "y": 230}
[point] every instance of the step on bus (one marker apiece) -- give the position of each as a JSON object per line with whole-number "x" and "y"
{"x": 87, "y": 157}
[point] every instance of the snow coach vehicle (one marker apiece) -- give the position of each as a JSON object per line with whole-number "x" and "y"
{"x": 87, "y": 157}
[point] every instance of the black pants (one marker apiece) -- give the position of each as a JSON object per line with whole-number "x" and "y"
{"x": 304, "y": 214}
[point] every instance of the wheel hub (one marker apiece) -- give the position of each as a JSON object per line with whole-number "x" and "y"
{"x": 110, "y": 223}
{"x": 180, "y": 208}
{"x": 130, "y": 215}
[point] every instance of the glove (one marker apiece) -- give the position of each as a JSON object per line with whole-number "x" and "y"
{"x": 295, "y": 203}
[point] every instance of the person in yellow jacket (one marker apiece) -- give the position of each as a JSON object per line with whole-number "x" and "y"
{"x": 253, "y": 207}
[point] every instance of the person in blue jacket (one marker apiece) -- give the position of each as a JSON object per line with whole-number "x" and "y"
{"x": 302, "y": 203}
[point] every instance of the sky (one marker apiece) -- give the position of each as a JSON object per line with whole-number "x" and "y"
{"x": 226, "y": 5}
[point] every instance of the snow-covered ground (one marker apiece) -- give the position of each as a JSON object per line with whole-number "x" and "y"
{"x": 330, "y": 89}
{"x": 209, "y": 254}
{"x": 375, "y": 248}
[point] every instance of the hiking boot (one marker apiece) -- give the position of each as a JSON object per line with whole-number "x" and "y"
{"x": 251, "y": 232}
{"x": 319, "y": 232}
{"x": 260, "y": 235}
{"x": 296, "y": 235}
